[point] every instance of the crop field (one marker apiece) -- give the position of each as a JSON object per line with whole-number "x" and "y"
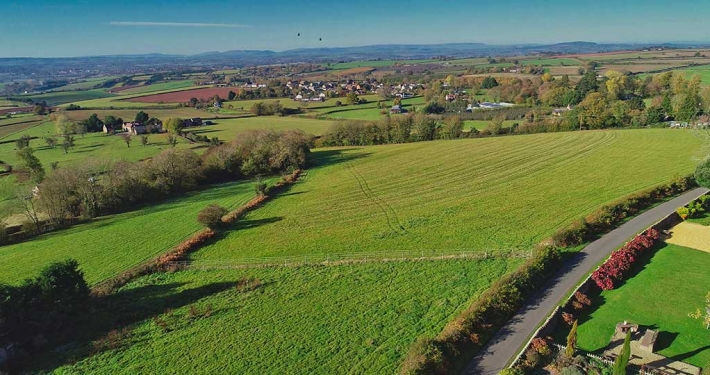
{"x": 109, "y": 245}
{"x": 473, "y": 194}
{"x": 358, "y": 318}
{"x": 367, "y": 111}
{"x": 675, "y": 278}
{"x": 61, "y": 97}
{"x": 183, "y": 96}
{"x": 172, "y": 85}
{"x": 228, "y": 129}
{"x": 92, "y": 145}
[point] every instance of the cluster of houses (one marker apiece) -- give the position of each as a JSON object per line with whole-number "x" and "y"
{"x": 318, "y": 91}
{"x": 137, "y": 128}
{"x": 686, "y": 125}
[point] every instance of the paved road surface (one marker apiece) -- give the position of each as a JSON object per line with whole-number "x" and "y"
{"x": 505, "y": 344}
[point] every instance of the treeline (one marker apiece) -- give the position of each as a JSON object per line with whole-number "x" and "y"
{"x": 272, "y": 108}
{"x": 97, "y": 188}
{"x": 41, "y": 308}
{"x": 396, "y": 129}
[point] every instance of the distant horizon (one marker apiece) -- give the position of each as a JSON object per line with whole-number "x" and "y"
{"x": 79, "y": 28}
{"x": 679, "y": 44}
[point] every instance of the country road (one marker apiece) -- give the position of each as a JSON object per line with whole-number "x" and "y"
{"x": 505, "y": 344}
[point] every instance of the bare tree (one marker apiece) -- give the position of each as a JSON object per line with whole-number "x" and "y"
{"x": 26, "y": 201}
{"x": 127, "y": 138}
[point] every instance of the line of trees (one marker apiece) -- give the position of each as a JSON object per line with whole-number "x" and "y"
{"x": 100, "y": 187}
{"x": 397, "y": 129}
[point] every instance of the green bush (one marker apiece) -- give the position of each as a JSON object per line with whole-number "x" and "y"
{"x": 702, "y": 173}
{"x": 211, "y": 216}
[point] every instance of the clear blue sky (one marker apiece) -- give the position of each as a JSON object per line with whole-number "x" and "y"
{"x": 44, "y": 28}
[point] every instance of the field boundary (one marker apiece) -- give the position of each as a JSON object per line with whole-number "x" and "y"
{"x": 193, "y": 243}
{"x": 351, "y": 258}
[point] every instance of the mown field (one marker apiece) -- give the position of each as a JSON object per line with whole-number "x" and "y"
{"x": 228, "y": 129}
{"x": 358, "y": 318}
{"x": 109, "y": 245}
{"x": 675, "y": 278}
{"x": 474, "y": 194}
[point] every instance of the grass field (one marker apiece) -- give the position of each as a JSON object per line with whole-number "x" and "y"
{"x": 112, "y": 244}
{"x": 228, "y": 129}
{"x": 551, "y": 62}
{"x": 477, "y": 194}
{"x": 92, "y": 145}
{"x": 86, "y": 84}
{"x": 130, "y": 114}
{"x": 672, "y": 285}
{"x": 16, "y": 124}
{"x": 358, "y": 318}
{"x": 172, "y": 85}
{"x": 62, "y": 97}
{"x": 377, "y": 64}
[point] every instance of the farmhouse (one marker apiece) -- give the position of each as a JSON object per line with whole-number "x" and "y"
{"x": 108, "y": 129}
{"x": 192, "y": 122}
{"x": 134, "y": 128}
{"x": 396, "y": 109}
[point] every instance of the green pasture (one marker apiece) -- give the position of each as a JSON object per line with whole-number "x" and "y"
{"x": 163, "y": 86}
{"x": 358, "y": 318}
{"x": 228, "y": 129}
{"x": 474, "y": 194}
{"x": 62, "y": 97}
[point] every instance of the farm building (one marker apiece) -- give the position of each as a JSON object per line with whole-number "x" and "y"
{"x": 396, "y": 109}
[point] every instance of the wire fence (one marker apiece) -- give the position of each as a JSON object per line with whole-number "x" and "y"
{"x": 347, "y": 258}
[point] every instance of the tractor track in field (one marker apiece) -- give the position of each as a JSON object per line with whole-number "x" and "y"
{"x": 390, "y": 214}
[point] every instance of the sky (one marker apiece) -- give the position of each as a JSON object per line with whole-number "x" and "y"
{"x": 53, "y": 28}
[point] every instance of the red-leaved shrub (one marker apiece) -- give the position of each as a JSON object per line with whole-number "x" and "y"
{"x": 619, "y": 263}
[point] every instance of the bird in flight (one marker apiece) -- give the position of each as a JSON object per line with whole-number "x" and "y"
{"x": 299, "y": 34}
{"x": 320, "y": 39}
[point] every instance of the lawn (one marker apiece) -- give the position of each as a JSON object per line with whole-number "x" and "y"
{"x": 228, "y": 129}
{"x": 109, "y": 245}
{"x": 62, "y": 97}
{"x": 358, "y": 318}
{"x": 672, "y": 285}
{"x": 473, "y": 194}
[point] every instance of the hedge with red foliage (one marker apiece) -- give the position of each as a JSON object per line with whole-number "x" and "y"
{"x": 609, "y": 274}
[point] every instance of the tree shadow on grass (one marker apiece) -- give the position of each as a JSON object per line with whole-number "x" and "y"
{"x": 324, "y": 158}
{"x": 113, "y": 313}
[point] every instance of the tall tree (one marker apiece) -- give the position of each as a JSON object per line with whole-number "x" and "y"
{"x": 571, "y": 341}
{"x": 587, "y": 84}
{"x": 622, "y": 361}
{"x": 32, "y": 163}
{"x": 142, "y": 117}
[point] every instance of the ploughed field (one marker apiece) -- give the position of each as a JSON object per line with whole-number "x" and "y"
{"x": 452, "y": 196}
{"x": 357, "y": 318}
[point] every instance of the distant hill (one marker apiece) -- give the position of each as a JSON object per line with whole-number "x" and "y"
{"x": 25, "y": 68}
